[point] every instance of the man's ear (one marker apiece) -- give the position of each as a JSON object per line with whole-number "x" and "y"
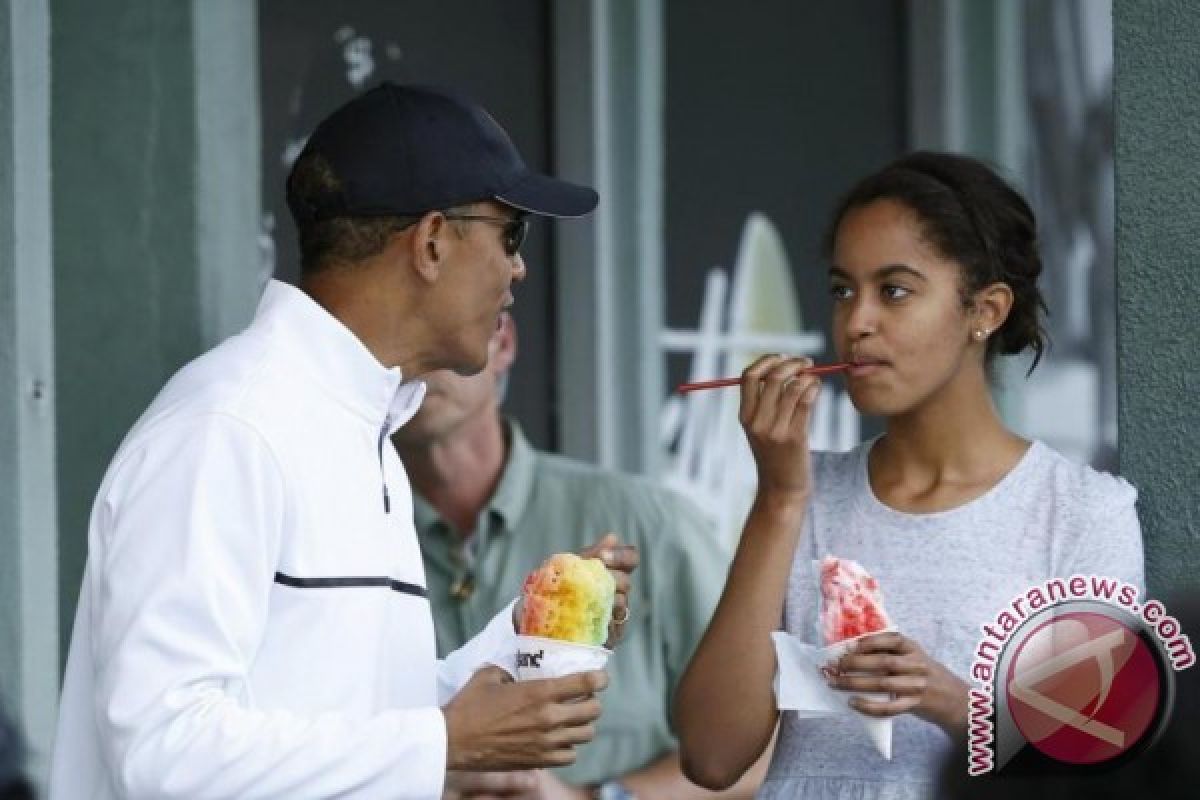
{"x": 429, "y": 244}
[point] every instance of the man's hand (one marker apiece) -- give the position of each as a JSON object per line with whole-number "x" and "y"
{"x": 514, "y": 785}
{"x": 621, "y": 560}
{"x": 538, "y": 784}
{"x": 550, "y": 787}
{"x": 496, "y": 724}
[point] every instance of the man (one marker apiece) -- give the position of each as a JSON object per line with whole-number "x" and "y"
{"x": 253, "y": 620}
{"x": 488, "y": 507}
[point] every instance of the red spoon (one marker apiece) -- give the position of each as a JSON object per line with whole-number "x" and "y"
{"x": 722, "y": 382}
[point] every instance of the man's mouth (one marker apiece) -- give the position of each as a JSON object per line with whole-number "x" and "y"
{"x": 504, "y": 309}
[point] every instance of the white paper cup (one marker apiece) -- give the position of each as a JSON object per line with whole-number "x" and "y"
{"x": 879, "y": 730}
{"x": 538, "y": 657}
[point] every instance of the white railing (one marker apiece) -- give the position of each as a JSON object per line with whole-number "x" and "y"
{"x": 705, "y": 455}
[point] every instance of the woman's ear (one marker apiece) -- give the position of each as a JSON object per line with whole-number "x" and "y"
{"x": 991, "y": 306}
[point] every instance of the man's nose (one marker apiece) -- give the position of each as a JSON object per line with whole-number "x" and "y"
{"x": 518, "y": 268}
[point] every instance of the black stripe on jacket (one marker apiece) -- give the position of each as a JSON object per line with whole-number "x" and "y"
{"x": 350, "y": 582}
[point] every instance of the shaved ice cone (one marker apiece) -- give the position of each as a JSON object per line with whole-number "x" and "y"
{"x": 566, "y": 607}
{"x": 851, "y": 608}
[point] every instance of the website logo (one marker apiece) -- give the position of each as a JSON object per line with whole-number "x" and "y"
{"x": 1076, "y": 669}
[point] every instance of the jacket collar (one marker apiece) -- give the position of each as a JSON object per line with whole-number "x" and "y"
{"x": 335, "y": 358}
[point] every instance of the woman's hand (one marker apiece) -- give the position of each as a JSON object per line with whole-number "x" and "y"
{"x": 894, "y": 664}
{"x": 725, "y": 718}
{"x": 777, "y": 402}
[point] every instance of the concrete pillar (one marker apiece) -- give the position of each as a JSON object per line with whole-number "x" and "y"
{"x": 155, "y": 154}
{"x": 28, "y": 588}
{"x": 1157, "y": 92}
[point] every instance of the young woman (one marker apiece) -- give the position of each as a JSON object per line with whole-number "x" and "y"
{"x": 934, "y": 269}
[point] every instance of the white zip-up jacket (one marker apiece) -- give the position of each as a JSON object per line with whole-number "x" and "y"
{"x": 253, "y": 621}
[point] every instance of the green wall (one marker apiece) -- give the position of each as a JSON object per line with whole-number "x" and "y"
{"x": 126, "y": 305}
{"x": 1157, "y": 95}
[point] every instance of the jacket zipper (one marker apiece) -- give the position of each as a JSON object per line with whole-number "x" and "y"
{"x": 387, "y": 502}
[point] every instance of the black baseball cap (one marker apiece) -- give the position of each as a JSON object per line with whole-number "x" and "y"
{"x": 407, "y": 150}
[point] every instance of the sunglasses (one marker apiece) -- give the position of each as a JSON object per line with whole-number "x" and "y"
{"x": 514, "y": 228}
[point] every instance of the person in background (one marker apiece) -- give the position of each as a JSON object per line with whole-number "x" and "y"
{"x": 489, "y": 507}
{"x": 933, "y": 275}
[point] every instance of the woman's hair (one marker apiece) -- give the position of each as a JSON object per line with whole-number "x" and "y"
{"x": 973, "y": 217}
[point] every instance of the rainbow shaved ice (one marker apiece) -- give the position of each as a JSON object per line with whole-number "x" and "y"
{"x": 853, "y": 603}
{"x": 570, "y": 599}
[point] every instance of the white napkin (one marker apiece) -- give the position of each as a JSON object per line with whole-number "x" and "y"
{"x": 800, "y": 687}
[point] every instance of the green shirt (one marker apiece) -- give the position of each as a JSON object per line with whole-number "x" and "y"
{"x": 546, "y": 504}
